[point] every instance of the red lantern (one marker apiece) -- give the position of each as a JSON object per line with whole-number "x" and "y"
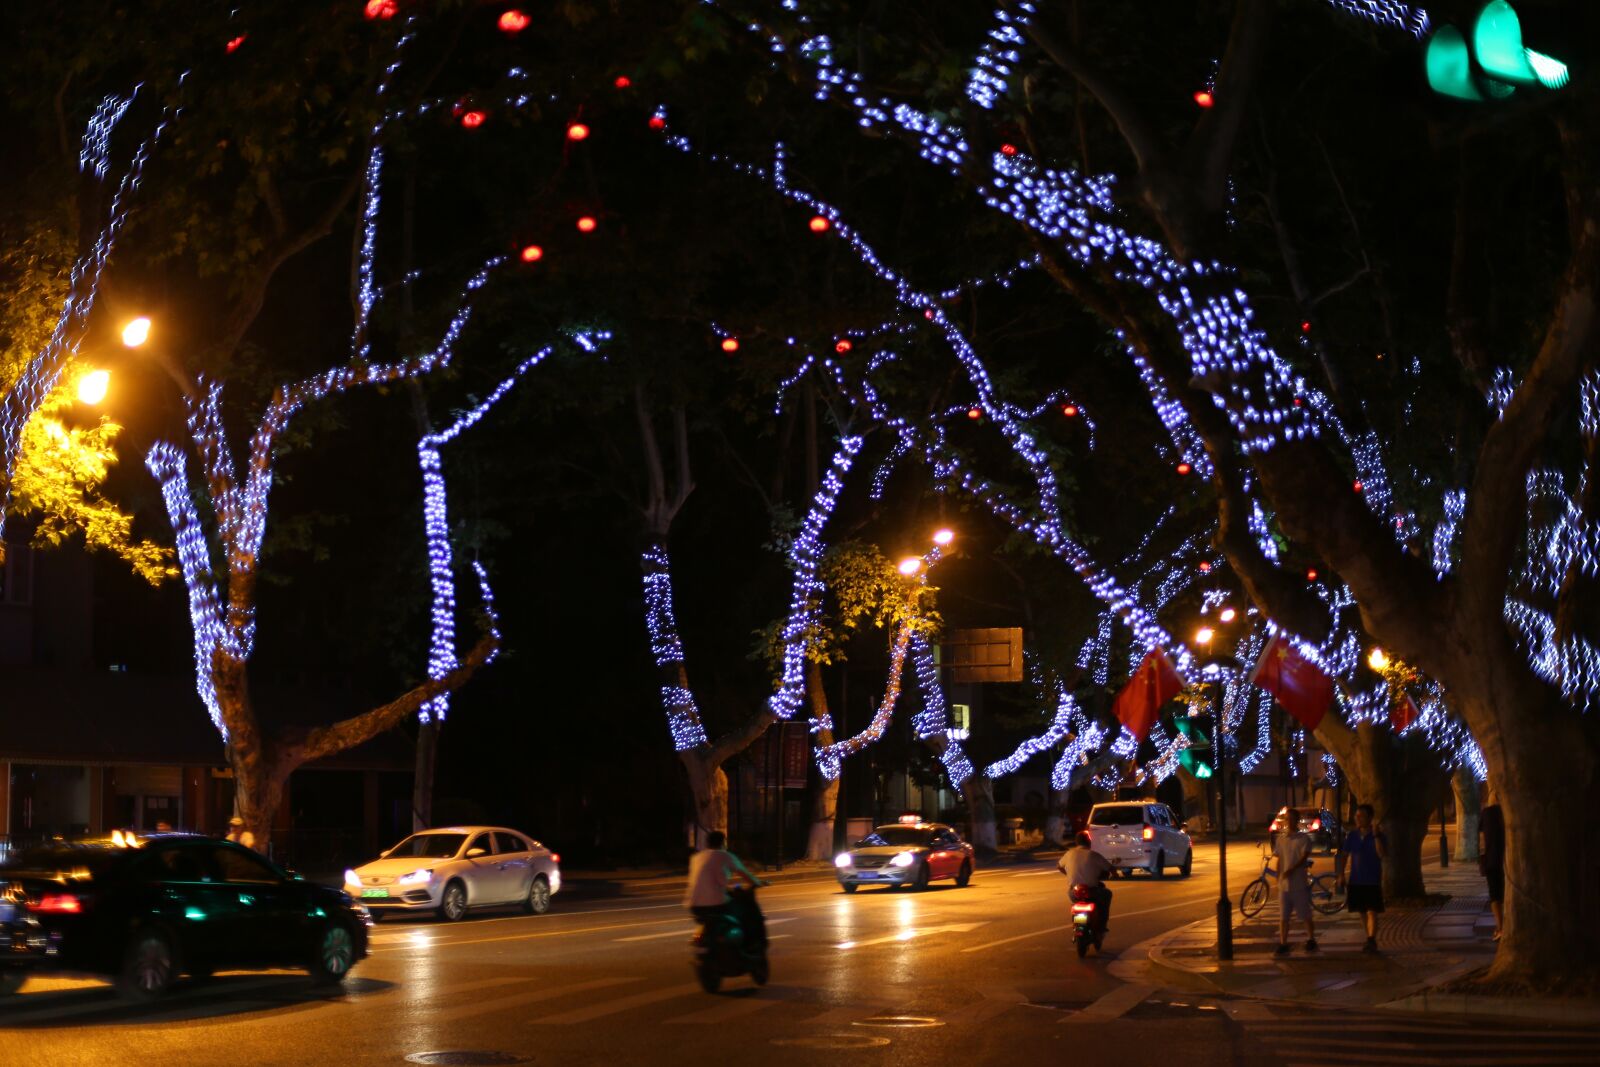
{"x": 730, "y": 344}
{"x": 586, "y": 224}
{"x": 1204, "y": 98}
{"x": 974, "y": 413}
{"x": 1008, "y": 149}
{"x": 622, "y": 81}
{"x": 514, "y": 21}
{"x": 818, "y": 224}
{"x": 532, "y": 254}
{"x": 928, "y": 314}
{"x": 1069, "y": 410}
{"x": 658, "y": 122}
{"x": 842, "y": 347}
{"x": 1205, "y": 566}
{"x": 1184, "y": 468}
{"x": 1311, "y": 574}
{"x": 473, "y": 119}
{"x": 1356, "y": 485}
{"x": 233, "y": 45}
{"x": 577, "y": 132}
{"x": 1305, "y": 326}
{"x": 382, "y": 9}
{"x": 1298, "y": 401}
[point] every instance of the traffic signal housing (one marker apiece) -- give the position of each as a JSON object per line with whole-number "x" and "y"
{"x": 1196, "y": 758}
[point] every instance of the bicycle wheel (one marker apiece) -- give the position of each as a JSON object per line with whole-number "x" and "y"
{"x": 1254, "y": 898}
{"x": 1324, "y": 895}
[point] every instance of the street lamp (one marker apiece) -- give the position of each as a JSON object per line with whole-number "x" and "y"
{"x": 910, "y": 565}
{"x": 1212, "y": 665}
{"x": 92, "y": 386}
{"x": 943, "y": 536}
{"x": 136, "y": 332}
{"x": 1378, "y": 660}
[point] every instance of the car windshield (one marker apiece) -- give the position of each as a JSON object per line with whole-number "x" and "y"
{"x": 894, "y": 835}
{"x": 1118, "y": 815}
{"x": 428, "y": 846}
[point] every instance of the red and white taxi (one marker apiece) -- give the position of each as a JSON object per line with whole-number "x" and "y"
{"x": 907, "y": 853}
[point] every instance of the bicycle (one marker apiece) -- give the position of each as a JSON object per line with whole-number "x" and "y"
{"x": 1324, "y": 891}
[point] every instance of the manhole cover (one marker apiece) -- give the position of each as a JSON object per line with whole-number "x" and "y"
{"x": 833, "y": 1041}
{"x": 899, "y": 1022}
{"x": 466, "y": 1057}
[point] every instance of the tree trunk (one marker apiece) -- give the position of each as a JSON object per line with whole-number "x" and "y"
{"x": 978, "y": 792}
{"x": 1055, "y": 820}
{"x": 825, "y": 798}
{"x": 708, "y": 792}
{"x": 1465, "y": 785}
{"x": 422, "y": 781}
{"x": 1401, "y": 779}
{"x": 1547, "y": 785}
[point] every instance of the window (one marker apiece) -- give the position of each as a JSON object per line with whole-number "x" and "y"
{"x": 508, "y": 843}
{"x": 240, "y": 867}
{"x": 483, "y": 841}
{"x": 1117, "y": 815}
{"x": 428, "y": 846}
{"x": 178, "y": 865}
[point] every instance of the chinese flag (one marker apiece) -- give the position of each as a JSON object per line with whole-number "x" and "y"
{"x": 1297, "y": 683}
{"x": 1152, "y": 685}
{"x": 1403, "y": 714}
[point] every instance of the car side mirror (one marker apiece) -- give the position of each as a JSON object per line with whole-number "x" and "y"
{"x": 474, "y": 853}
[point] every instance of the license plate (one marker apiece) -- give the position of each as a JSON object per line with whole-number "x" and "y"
{"x": 1080, "y": 919}
{"x": 375, "y": 893}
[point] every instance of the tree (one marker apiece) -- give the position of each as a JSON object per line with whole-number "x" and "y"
{"x": 1283, "y": 435}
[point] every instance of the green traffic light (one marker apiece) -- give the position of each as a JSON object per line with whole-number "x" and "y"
{"x": 1494, "y": 63}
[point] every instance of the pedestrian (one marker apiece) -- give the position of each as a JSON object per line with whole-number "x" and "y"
{"x": 235, "y": 829}
{"x": 1292, "y": 850}
{"x": 1365, "y": 849}
{"x": 1492, "y": 854}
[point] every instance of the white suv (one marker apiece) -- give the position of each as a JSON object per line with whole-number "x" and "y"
{"x": 1140, "y": 833}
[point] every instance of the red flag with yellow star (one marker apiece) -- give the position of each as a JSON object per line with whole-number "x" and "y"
{"x": 1152, "y": 685}
{"x": 1403, "y": 714}
{"x": 1297, "y": 683}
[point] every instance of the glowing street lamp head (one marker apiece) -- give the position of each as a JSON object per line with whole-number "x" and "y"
{"x": 943, "y": 536}
{"x": 92, "y": 386}
{"x": 910, "y": 565}
{"x": 1227, "y": 614}
{"x": 136, "y": 332}
{"x": 1204, "y": 635}
{"x": 1378, "y": 659}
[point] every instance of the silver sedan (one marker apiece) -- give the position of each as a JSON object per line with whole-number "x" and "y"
{"x": 454, "y": 869}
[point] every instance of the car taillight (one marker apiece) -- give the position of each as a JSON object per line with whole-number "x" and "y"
{"x": 1316, "y": 824}
{"x": 1078, "y": 908}
{"x": 1149, "y": 833}
{"x": 555, "y": 857}
{"x": 1275, "y": 827}
{"x": 59, "y": 904}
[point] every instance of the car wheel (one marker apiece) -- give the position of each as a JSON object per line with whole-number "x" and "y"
{"x": 1158, "y": 869}
{"x": 10, "y": 981}
{"x": 1188, "y": 863}
{"x": 849, "y": 887}
{"x": 453, "y": 905}
{"x": 148, "y": 966}
{"x": 538, "y": 899}
{"x": 335, "y": 955}
{"x": 922, "y": 878}
{"x": 964, "y": 875}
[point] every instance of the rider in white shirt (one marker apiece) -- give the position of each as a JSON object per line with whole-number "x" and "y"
{"x": 709, "y": 872}
{"x": 1084, "y": 866}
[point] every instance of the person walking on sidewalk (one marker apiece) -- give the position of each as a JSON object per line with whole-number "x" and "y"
{"x": 1492, "y": 854}
{"x": 1292, "y": 850}
{"x": 1364, "y": 850}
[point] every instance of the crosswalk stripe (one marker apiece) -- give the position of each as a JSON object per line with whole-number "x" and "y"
{"x": 1113, "y": 1005}
{"x": 731, "y": 1009}
{"x": 1406, "y": 1026}
{"x": 686, "y": 930}
{"x": 612, "y": 1007}
{"x": 1493, "y": 1060}
{"x": 1428, "y": 1046}
{"x": 517, "y": 1000}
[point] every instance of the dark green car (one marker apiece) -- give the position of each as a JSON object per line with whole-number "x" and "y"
{"x": 173, "y": 904}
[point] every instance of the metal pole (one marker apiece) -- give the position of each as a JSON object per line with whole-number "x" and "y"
{"x": 1224, "y": 906}
{"x": 1444, "y": 848}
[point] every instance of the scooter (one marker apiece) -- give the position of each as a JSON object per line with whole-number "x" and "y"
{"x": 731, "y": 944}
{"x": 1088, "y": 920}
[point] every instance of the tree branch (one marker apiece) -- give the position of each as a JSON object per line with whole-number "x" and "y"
{"x": 1210, "y": 150}
{"x": 340, "y": 736}
{"x": 1134, "y": 125}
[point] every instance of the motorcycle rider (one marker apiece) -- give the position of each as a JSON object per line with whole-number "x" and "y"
{"x": 1084, "y": 866}
{"x": 709, "y": 871}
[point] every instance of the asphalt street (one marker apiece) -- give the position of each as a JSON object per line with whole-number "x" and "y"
{"x": 982, "y": 974}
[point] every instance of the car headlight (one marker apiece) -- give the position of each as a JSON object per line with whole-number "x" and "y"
{"x": 416, "y": 877}
{"x": 902, "y": 859}
{"x": 351, "y": 878}
{"x": 843, "y": 859}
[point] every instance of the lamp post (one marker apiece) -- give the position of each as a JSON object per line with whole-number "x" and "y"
{"x": 1213, "y": 664}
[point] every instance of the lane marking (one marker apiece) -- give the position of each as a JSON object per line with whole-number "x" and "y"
{"x": 912, "y": 933}
{"x": 1068, "y": 926}
{"x": 517, "y": 1000}
{"x": 685, "y": 930}
{"x": 612, "y": 1007}
{"x": 1113, "y": 1005}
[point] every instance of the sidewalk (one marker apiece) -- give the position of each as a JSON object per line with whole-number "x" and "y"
{"x": 1422, "y": 950}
